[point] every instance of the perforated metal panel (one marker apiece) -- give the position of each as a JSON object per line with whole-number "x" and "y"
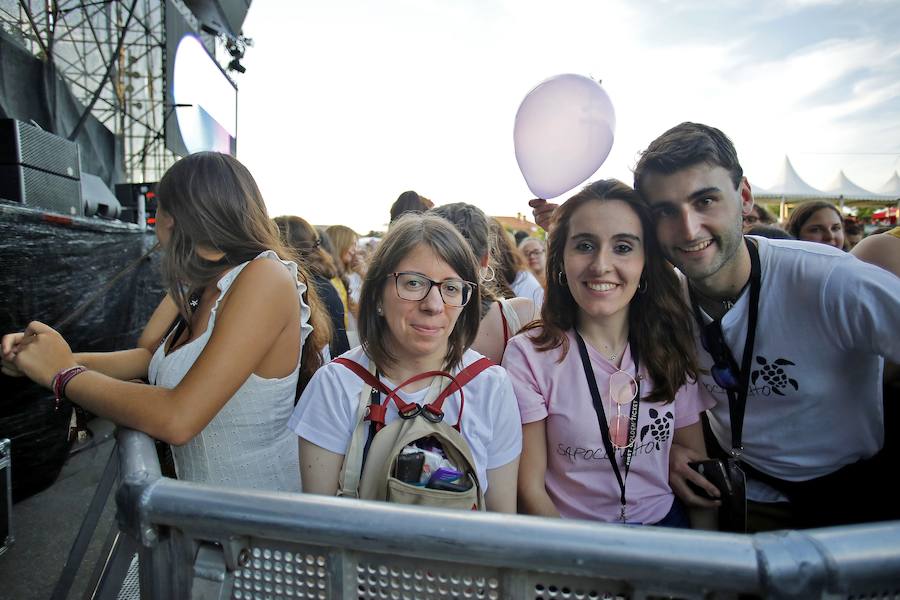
{"x": 556, "y": 587}
{"x": 131, "y": 586}
{"x": 39, "y": 189}
{"x": 32, "y": 147}
{"x": 275, "y": 573}
{"x": 411, "y": 579}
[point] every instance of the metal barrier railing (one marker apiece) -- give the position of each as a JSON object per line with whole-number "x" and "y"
{"x": 198, "y": 541}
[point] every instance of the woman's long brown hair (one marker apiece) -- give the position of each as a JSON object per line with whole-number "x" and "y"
{"x": 216, "y": 204}
{"x": 659, "y": 323}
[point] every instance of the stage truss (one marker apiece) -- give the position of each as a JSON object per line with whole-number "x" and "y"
{"x": 85, "y": 39}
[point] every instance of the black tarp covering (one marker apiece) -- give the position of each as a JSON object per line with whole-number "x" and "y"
{"x": 47, "y": 270}
{"x": 31, "y": 90}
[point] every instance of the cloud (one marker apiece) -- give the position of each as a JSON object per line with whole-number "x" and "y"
{"x": 345, "y": 105}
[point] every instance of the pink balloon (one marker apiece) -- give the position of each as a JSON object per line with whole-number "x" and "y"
{"x": 564, "y": 131}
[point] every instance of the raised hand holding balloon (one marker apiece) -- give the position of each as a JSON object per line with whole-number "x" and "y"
{"x": 564, "y": 131}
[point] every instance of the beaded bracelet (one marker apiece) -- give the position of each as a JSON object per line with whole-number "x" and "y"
{"x": 62, "y": 379}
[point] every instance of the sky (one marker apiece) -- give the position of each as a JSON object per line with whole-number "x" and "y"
{"x": 344, "y": 105}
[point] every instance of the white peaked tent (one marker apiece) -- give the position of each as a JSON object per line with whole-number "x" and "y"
{"x": 891, "y": 187}
{"x": 845, "y": 189}
{"x": 790, "y": 188}
{"x": 759, "y": 190}
{"x": 790, "y": 185}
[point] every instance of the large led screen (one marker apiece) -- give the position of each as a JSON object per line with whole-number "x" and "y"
{"x": 201, "y": 101}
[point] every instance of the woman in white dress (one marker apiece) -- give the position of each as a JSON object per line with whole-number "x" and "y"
{"x": 222, "y": 350}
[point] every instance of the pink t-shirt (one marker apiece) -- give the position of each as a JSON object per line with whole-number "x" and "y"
{"x": 579, "y": 478}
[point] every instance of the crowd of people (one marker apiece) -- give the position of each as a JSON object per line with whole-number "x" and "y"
{"x": 583, "y": 376}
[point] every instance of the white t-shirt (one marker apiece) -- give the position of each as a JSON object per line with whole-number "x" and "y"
{"x": 825, "y": 321}
{"x": 526, "y": 285}
{"x": 326, "y": 413}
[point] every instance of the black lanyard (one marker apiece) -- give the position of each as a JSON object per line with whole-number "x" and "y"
{"x": 601, "y": 416}
{"x": 374, "y": 400}
{"x": 737, "y": 400}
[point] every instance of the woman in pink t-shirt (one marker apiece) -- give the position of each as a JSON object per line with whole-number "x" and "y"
{"x": 608, "y": 371}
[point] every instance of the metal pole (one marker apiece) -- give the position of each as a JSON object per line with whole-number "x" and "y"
{"x": 79, "y": 547}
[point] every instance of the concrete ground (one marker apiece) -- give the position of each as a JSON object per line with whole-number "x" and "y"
{"x": 46, "y": 524}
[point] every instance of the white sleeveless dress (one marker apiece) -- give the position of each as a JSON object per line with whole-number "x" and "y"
{"x": 247, "y": 444}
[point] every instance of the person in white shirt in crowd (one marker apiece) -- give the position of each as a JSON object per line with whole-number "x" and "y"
{"x": 419, "y": 312}
{"x": 792, "y": 342}
{"x": 535, "y": 252}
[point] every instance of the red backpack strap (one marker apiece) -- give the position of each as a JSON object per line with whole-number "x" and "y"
{"x": 505, "y": 326}
{"x": 376, "y": 412}
{"x": 456, "y": 385}
{"x": 363, "y": 373}
{"x": 407, "y": 409}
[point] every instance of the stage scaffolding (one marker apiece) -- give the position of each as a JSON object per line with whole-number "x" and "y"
{"x": 85, "y": 40}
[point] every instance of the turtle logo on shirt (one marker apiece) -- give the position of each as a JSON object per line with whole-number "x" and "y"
{"x": 660, "y": 428}
{"x": 773, "y": 374}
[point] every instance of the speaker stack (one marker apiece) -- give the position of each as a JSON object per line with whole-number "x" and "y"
{"x": 39, "y": 169}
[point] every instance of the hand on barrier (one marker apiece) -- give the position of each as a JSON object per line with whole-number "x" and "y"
{"x": 680, "y": 473}
{"x": 543, "y": 212}
{"x": 39, "y": 352}
{"x": 10, "y": 347}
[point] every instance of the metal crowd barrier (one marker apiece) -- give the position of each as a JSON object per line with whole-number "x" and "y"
{"x": 201, "y": 542}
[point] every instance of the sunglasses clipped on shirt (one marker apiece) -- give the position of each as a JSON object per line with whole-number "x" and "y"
{"x": 725, "y": 371}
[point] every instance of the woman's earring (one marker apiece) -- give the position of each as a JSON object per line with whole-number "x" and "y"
{"x": 487, "y": 278}
{"x": 561, "y": 278}
{"x": 642, "y": 286}
{"x": 379, "y": 310}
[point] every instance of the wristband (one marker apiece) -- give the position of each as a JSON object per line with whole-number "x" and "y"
{"x": 62, "y": 379}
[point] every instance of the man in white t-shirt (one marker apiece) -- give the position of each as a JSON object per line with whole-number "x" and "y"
{"x": 813, "y": 427}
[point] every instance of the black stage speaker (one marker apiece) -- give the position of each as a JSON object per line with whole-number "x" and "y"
{"x": 39, "y": 169}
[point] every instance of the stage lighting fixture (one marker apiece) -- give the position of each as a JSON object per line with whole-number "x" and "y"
{"x": 235, "y": 65}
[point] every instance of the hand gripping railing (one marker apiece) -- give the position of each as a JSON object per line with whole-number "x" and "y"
{"x": 200, "y": 541}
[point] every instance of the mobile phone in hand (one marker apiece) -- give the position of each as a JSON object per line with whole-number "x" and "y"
{"x": 715, "y": 473}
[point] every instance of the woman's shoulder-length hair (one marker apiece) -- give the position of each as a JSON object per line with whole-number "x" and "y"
{"x": 660, "y": 326}
{"x": 407, "y": 233}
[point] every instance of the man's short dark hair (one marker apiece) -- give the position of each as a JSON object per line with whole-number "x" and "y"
{"x": 684, "y": 146}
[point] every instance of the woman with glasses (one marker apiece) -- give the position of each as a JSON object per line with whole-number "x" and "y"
{"x": 758, "y": 215}
{"x": 535, "y": 253}
{"x": 419, "y": 312}
{"x": 607, "y": 379}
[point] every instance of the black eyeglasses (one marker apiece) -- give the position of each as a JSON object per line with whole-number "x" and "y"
{"x": 415, "y": 286}
{"x": 724, "y": 370}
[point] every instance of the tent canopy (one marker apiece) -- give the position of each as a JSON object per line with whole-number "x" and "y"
{"x": 891, "y": 187}
{"x": 791, "y": 189}
{"x": 842, "y": 187}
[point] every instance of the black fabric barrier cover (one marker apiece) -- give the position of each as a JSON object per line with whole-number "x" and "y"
{"x": 47, "y": 270}
{"x": 31, "y": 90}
